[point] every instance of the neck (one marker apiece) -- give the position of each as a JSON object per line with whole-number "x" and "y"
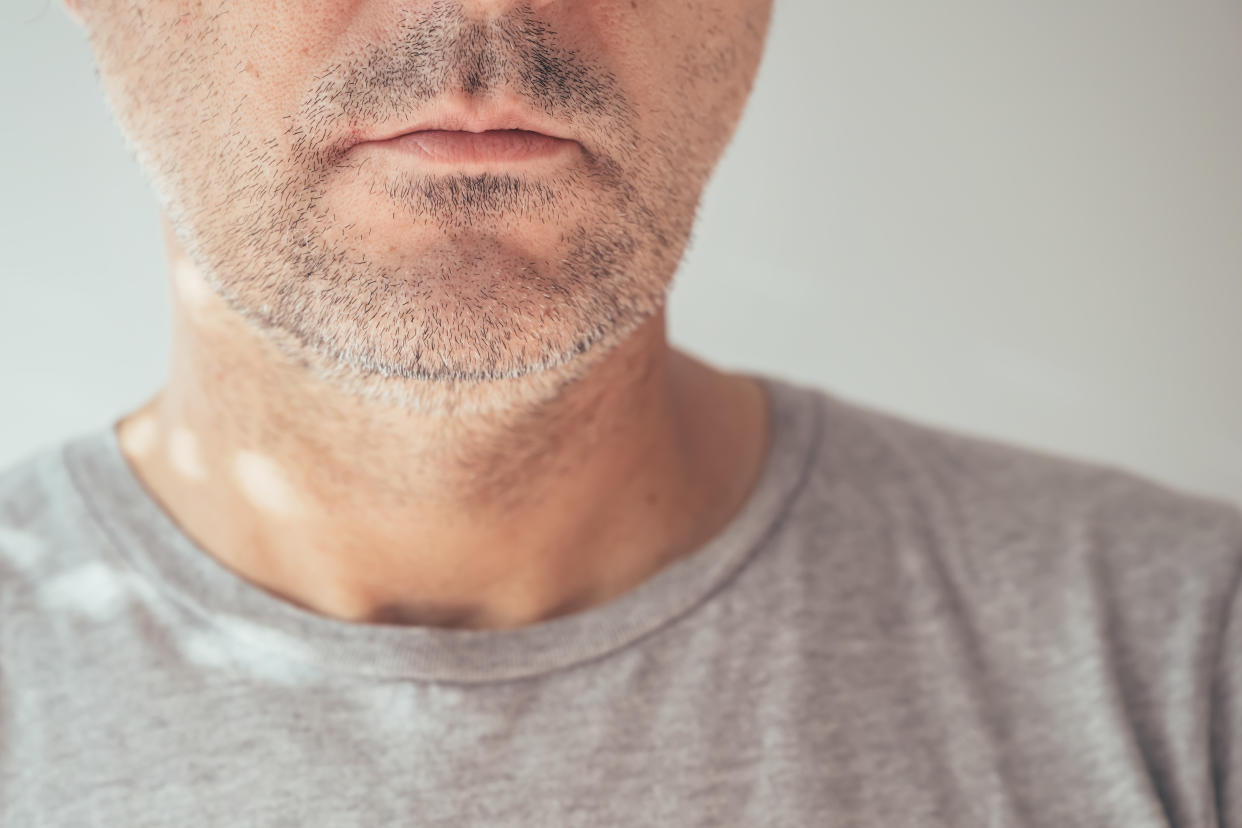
{"x": 487, "y": 519}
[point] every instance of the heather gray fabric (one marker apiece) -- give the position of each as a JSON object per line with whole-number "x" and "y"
{"x": 904, "y": 626}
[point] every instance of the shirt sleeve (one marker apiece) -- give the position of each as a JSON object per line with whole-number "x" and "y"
{"x": 1226, "y": 737}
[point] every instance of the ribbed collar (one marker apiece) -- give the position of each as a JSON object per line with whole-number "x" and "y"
{"x": 154, "y": 545}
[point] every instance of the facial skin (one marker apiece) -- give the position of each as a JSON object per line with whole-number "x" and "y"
{"x": 456, "y": 379}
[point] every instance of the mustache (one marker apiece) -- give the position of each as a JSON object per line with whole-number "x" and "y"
{"x": 438, "y": 50}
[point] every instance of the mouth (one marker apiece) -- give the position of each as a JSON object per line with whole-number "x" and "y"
{"x": 456, "y": 134}
{"x": 490, "y": 146}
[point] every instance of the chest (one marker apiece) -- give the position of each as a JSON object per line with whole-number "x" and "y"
{"x": 852, "y": 736}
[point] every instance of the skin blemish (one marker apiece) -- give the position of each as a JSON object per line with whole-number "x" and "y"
{"x": 184, "y": 453}
{"x": 189, "y": 285}
{"x": 265, "y": 484}
{"x": 141, "y": 435}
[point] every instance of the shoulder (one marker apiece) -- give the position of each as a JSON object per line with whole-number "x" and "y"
{"x": 1042, "y": 554}
{"x": 996, "y": 504}
{"x": 38, "y": 503}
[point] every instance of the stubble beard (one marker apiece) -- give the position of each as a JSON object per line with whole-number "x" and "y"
{"x": 468, "y": 322}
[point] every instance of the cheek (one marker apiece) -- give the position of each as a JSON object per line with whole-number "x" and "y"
{"x": 150, "y": 74}
{"x": 701, "y": 57}
{"x": 719, "y": 56}
{"x": 285, "y": 41}
{"x": 189, "y": 87}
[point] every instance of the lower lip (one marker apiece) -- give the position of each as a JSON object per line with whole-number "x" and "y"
{"x": 494, "y": 146}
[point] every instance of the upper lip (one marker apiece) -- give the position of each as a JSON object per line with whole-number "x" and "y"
{"x": 465, "y": 119}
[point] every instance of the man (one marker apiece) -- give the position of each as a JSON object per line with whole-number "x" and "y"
{"x": 431, "y": 526}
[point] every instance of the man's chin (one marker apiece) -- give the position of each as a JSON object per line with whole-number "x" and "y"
{"x": 452, "y": 382}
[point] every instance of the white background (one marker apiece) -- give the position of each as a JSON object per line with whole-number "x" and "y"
{"x": 1022, "y": 221}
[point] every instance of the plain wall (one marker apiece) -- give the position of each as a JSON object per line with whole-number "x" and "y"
{"x": 1022, "y": 221}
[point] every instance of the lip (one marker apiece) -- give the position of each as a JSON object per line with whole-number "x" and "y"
{"x": 462, "y": 119}
{"x": 460, "y": 135}
{"x": 463, "y": 147}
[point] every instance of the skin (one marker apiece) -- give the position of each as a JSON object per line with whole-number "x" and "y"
{"x": 434, "y": 396}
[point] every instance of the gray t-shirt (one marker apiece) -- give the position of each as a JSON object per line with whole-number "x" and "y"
{"x": 903, "y": 626}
